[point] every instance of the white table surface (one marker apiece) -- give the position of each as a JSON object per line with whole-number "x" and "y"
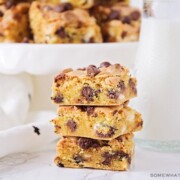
{"x": 39, "y": 165}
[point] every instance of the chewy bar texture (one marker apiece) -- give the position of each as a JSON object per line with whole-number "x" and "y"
{"x": 78, "y": 152}
{"x": 62, "y": 24}
{"x": 104, "y": 123}
{"x": 14, "y": 23}
{"x": 104, "y": 86}
{"x": 119, "y": 23}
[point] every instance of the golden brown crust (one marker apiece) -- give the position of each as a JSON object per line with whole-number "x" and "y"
{"x": 89, "y": 153}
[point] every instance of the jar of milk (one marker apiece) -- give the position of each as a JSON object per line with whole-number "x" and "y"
{"x": 157, "y": 69}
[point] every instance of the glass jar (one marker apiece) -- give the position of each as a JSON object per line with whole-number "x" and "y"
{"x": 157, "y": 70}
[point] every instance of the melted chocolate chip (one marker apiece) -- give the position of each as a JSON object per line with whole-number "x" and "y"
{"x": 81, "y": 69}
{"x": 115, "y": 112}
{"x": 72, "y": 125}
{"x": 109, "y": 134}
{"x": 123, "y": 34}
{"x": 59, "y": 77}
{"x": 88, "y": 109}
{"x": 121, "y": 86}
{"x": 92, "y": 70}
{"x": 126, "y": 20}
{"x": 1, "y": 14}
{"x": 86, "y": 143}
{"x": 135, "y": 15}
{"x": 63, "y": 7}
{"x": 115, "y": 155}
{"x": 61, "y": 32}
{"x": 60, "y": 165}
{"x": 112, "y": 94}
{"x": 119, "y": 139}
{"x": 108, "y": 158}
{"x": 78, "y": 158}
{"x": 87, "y": 92}
{"x": 58, "y": 99}
{"x": 105, "y": 64}
{"x": 132, "y": 85}
{"x": 114, "y": 15}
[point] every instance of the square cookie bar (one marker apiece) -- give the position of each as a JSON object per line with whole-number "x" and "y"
{"x": 96, "y": 86}
{"x": 119, "y": 22}
{"x": 78, "y": 152}
{"x": 104, "y": 123}
{"x": 14, "y": 23}
{"x": 62, "y": 24}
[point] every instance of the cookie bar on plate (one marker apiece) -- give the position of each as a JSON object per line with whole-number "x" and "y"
{"x": 78, "y": 152}
{"x": 96, "y": 86}
{"x": 62, "y": 24}
{"x": 97, "y": 122}
{"x": 14, "y": 23}
{"x": 119, "y": 23}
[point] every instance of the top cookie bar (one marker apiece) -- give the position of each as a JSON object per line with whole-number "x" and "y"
{"x": 106, "y": 85}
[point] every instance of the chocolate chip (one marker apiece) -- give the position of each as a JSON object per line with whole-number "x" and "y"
{"x": 92, "y": 70}
{"x": 123, "y": 34}
{"x": 120, "y": 155}
{"x": 105, "y": 64}
{"x": 72, "y": 125}
{"x": 86, "y": 143}
{"x": 58, "y": 99}
{"x": 114, "y": 112}
{"x": 135, "y": 15}
{"x": 108, "y": 158}
{"x": 36, "y": 130}
{"x": 1, "y": 14}
{"x": 87, "y": 92}
{"x": 60, "y": 165}
{"x": 126, "y": 20}
{"x": 132, "y": 85}
{"x": 59, "y": 77}
{"x": 96, "y": 92}
{"x": 61, "y": 32}
{"x": 88, "y": 109}
{"x": 112, "y": 94}
{"x": 119, "y": 139}
{"x": 114, "y": 15}
{"x": 63, "y": 7}
{"x": 121, "y": 86}
{"x": 78, "y": 158}
{"x": 109, "y": 134}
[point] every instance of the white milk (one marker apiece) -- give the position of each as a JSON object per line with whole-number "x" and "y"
{"x": 158, "y": 73}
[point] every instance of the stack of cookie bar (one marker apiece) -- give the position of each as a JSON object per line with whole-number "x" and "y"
{"x": 68, "y": 21}
{"x": 94, "y": 119}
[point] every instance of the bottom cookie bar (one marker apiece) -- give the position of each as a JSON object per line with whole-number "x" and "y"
{"x": 78, "y": 152}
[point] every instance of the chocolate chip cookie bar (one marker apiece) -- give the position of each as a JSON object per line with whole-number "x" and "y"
{"x": 62, "y": 24}
{"x": 106, "y": 85}
{"x": 14, "y": 23}
{"x": 78, "y": 152}
{"x": 104, "y": 123}
{"x": 119, "y": 23}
